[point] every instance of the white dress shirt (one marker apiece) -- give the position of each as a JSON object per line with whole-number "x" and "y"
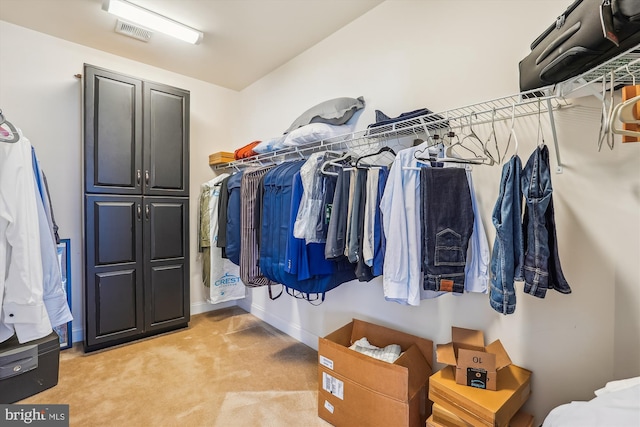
{"x": 21, "y": 279}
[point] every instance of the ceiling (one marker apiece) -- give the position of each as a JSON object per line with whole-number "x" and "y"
{"x": 243, "y": 39}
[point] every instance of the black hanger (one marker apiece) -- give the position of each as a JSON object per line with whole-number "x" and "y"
{"x": 418, "y": 154}
{"x": 14, "y": 132}
{"x": 382, "y": 150}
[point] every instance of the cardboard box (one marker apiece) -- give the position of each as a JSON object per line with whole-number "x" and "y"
{"x": 442, "y": 416}
{"x": 521, "y": 419}
{"x": 476, "y": 365}
{"x": 431, "y": 423}
{"x": 482, "y": 407}
{"x": 220, "y": 157}
{"x": 355, "y": 389}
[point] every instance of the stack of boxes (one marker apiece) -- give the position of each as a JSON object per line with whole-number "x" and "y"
{"x": 479, "y": 386}
{"x": 220, "y": 157}
{"x": 358, "y": 390}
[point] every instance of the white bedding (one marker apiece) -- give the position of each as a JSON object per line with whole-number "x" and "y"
{"x": 615, "y": 405}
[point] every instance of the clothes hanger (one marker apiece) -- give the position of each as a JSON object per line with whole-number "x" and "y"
{"x": 346, "y": 157}
{"x": 473, "y": 137}
{"x": 607, "y": 111}
{"x": 15, "y": 136}
{"x": 382, "y": 150}
{"x": 492, "y": 134}
{"x": 450, "y": 156}
{"x": 540, "y": 132}
{"x": 625, "y": 113}
{"x": 512, "y": 133}
{"x": 435, "y": 139}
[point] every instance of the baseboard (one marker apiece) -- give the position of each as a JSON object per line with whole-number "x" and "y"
{"x": 203, "y": 306}
{"x": 77, "y": 335}
{"x": 294, "y": 331}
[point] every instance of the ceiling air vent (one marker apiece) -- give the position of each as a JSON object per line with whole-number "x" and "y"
{"x": 132, "y": 30}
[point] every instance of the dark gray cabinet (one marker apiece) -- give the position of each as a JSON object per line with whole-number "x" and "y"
{"x": 136, "y": 208}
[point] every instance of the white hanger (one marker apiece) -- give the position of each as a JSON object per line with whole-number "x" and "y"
{"x": 624, "y": 112}
{"x": 607, "y": 111}
{"x": 475, "y": 139}
{"x": 512, "y": 133}
{"x": 334, "y": 162}
{"x": 15, "y": 136}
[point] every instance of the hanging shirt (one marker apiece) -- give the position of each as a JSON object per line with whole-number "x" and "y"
{"x": 311, "y": 209}
{"x": 21, "y": 279}
{"x": 379, "y": 242}
{"x": 371, "y": 206}
{"x": 54, "y": 293}
{"x": 478, "y": 255}
{"x": 402, "y": 276}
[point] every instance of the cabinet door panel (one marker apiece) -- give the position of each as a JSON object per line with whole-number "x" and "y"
{"x": 113, "y": 133}
{"x": 166, "y": 254}
{"x": 167, "y": 237}
{"x": 114, "y": 306}
{"x": 167, "y": 288}
{"x": 166, "y": 140}
{"x": 114, "y": 234}
{"x": 116, "y": 302}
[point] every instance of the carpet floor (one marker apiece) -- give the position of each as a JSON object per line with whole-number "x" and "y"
{"x": 227, "y": 369}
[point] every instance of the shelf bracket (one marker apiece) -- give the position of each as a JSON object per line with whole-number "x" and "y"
{"x": 559, "y": 167}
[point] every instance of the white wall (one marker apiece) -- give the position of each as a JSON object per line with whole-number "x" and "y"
{"x": 40, "y": 95}
{"x": 405, "y": 55}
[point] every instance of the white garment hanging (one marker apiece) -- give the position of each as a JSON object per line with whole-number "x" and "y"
{"x": 21, "y": 279}
{"x": 225, "y": 284}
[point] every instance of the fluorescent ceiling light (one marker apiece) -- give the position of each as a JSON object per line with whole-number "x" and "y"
{"x": 152, "y": 20}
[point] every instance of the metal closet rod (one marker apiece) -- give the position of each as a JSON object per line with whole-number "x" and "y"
{"x": 495, "y": 110}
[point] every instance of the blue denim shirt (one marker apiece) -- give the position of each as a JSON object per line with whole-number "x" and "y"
{"x": 508, "y": 249}
{"x": 542, "y": 269}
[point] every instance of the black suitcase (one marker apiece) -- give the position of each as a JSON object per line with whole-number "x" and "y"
{"x": 576, "y": 42}
{"x": 29, "y": 368}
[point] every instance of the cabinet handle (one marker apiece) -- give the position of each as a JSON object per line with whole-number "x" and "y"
{"x": 139, "y": 212}
{"x": 138, "y": 176}
{"x": 146, "y": 177}
{"x": 146, "y": 211}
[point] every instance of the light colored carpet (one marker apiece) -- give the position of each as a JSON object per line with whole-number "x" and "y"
{"x": 227, "y": 369}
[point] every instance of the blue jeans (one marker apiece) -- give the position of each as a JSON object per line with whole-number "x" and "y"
{"x": 542, "y": 269}
{"x": 447, "y": 224}
{"x": 508, "y": 250}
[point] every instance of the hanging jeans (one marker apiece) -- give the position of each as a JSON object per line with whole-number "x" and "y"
{"x": 447, "y": 224}
{"x": 542, "y": 269}
{"x": 508, "y": 250}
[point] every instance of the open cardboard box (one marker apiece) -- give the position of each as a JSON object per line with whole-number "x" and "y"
{"x": 476, "y": 365}
{"x": 355, "y": 389}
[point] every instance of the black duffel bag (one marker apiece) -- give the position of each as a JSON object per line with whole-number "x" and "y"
{"x": 587, "y": 34}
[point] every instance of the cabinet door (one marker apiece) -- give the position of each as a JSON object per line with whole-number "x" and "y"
{"x": 166, "y": 253}
{"x": 113, "y": 132}
{"x": 114, "y": 293}
{"x": 166, "y": 140}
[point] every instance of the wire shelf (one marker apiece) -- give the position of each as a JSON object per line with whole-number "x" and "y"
{"x": 625, "y": 67}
